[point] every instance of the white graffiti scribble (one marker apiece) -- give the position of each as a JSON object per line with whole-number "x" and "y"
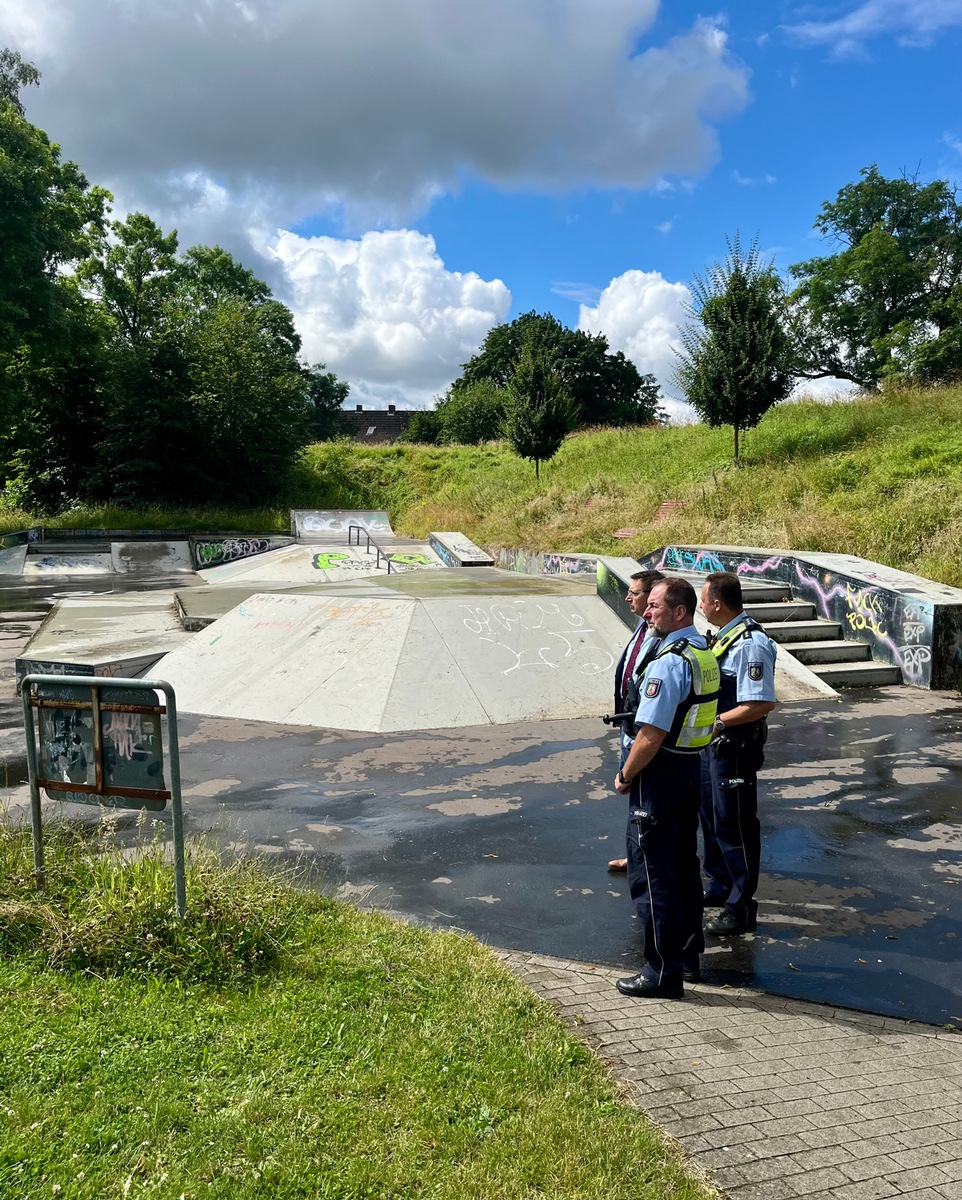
{"x": 500, "y": 624}
{"x": 914, "y": 659}
{"x": 126, "y": 732}
{"x": 912, "y": 631}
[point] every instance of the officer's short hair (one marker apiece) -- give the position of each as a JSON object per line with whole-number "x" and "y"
{"x": 726, "y": 587}
{"x": 647, "y": 579}
{"x": 680, "y": 594}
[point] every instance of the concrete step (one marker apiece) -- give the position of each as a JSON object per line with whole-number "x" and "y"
{"x": 828, "y": 651}
{"x": 785, "y": 632}
{"x": 792, "y": 610}
{"x": 861, "y": 674}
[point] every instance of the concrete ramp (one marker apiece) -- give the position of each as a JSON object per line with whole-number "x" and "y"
{"x": 72, "y": 562}
{"x": 327, "y": 563}
{"x": 404, "y": 663}
{"x": 12, "y": 559}
{"x": 310, "y": 524}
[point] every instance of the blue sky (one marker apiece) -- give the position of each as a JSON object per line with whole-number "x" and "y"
{"x": 406, "y": 173}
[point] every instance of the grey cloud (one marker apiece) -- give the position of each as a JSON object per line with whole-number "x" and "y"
{"x": 377, "y": 105}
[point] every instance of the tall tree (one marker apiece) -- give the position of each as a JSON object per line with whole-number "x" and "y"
{"x": 736, "y": 361}
{"x": 539, "y": 410}
{"x": 887, "y": 303}
{"x": 49, "y": 217}
{"x": 606, "y": 388}
{"x": 325, "y": 395}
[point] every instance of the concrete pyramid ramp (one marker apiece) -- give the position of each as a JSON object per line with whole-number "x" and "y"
{"x": 390, "y": 664}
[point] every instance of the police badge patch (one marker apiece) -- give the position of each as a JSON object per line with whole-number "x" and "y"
{"x": 754, "y": 671}
{"x": 652, "y": 688}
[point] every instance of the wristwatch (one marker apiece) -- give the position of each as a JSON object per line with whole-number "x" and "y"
{"x": 719, "y": 725}
{"x": 621, "y": 778}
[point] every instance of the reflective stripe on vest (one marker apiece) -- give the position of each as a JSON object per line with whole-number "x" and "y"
{"x": 721, "y": 644}
{"x": 691, "y": 729}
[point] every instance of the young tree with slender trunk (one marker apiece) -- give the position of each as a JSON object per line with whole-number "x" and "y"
{"x": 737, "y": 359}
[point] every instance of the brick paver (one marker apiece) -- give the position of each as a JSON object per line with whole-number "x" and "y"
{"x": 774, "y": 1097}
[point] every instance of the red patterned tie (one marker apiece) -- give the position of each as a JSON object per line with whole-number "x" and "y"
{"x": 629, "y": 671}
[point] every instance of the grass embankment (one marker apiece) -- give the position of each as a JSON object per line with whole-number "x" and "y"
{"x": 879, "y": 477}
{"x": 277, "y": 1044}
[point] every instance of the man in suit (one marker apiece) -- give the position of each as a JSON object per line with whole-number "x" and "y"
{"x": 633, "y": 657}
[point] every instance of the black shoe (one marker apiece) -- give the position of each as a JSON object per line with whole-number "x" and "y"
{"x": 647, "y": 989}
{"x": 691, "y": 974}
{"x": 727, "y": 924}
{"x": 713, "y": 899}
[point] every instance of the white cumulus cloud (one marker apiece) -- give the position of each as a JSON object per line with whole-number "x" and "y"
{"x": 384, "y": 313}
{"x": 639, "y": 313}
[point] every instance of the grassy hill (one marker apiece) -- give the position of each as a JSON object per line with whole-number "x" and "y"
{"x": 879, "y": 477}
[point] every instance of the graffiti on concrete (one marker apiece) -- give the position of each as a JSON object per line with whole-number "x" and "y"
{"x": 866, "y": 610}
{"x": 214, "y": 553}
{"x": 502, "y": 624}
{"x": 327, "y": 560}
{"x": 569, "y": 564}
{"x": 747, "y": 568}
{"x": 675, "y": 558}
{"x": 409, "y": 560}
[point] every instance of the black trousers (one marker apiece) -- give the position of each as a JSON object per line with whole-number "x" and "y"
{"x": 663, "y": 872}
{"x": 731, "y": 832}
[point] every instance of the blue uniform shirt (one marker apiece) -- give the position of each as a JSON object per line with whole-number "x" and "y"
{"x": 667, "y": 681}
{"x": 750, "y": 661}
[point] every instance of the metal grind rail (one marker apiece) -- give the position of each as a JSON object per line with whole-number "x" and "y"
{"x": 359, "y": 529}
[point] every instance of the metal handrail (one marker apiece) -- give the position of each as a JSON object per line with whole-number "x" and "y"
{"x": 359, "y": 529}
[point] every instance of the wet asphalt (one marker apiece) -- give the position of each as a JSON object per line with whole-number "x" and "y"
{"x": 505, "y": 832}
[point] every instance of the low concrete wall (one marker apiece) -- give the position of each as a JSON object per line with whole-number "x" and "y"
{"x": 214, "y": 551}
{"x": 911, "y": 622}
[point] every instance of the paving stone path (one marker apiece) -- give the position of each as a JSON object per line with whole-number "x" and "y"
{"x": 776, "y": 1098}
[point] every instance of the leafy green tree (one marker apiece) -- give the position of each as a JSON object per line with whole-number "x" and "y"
{"x": 472, "y": 414}
{"x": 325, "y": 395}
{"x": 251, "y": 398}
{"x": 607, "y": 389}
{"x": 539, "y": 410}
{"x": 14, "y": 75}
{"x": 737, "y": 360}
{"x": 134, "y": 277}
{"x": 423, "y": 428}
{"x": 887, "y": 303}
{"x": 49, "y": 217}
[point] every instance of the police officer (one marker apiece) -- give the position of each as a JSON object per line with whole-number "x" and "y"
{"x": 662, "y": 775}
{"x": 632, "y": 663}
{"x": 729, "y": 810}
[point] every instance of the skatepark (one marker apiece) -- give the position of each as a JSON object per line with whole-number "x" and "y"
{"x": 426, "y": 738}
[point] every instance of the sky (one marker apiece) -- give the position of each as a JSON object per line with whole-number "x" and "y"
{"x": 407, "y": 174}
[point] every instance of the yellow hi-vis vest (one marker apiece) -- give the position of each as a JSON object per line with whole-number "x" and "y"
{"x": 691, "y": 729}
{"x": 721, "y": 644}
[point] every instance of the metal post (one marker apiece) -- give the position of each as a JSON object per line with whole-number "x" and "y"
{"x": 32, "y": 773}
{"x": 176, "y": 802}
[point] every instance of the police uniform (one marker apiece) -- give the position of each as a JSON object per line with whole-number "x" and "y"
{"x": 678, "y": 694}
{"x": 729, "y": 808}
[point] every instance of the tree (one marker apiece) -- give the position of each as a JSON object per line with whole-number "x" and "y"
{"x": 737, "y": 361}
{"x": 471, "y": 414}
{"x": 607, "y": 389}
{"x": 539, "y": 410}
{"x": 14, "y": 75}
{"x": 887, "y": 304}
{"x": 49, "y": 217}
{"x": 325, "y": 395}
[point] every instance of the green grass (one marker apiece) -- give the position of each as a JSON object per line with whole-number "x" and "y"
{"x": 879, "y": 477}
{"x": 279, "y": 1044}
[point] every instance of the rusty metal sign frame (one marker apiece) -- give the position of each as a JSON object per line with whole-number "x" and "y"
{"x": 96, "y": 705}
